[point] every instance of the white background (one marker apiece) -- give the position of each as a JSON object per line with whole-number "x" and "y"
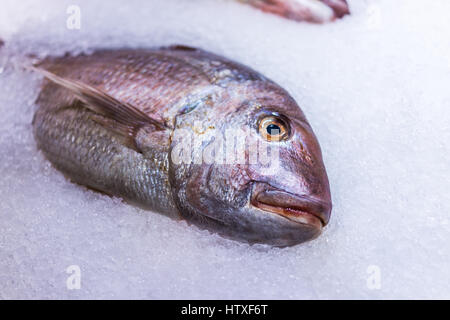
{"x": 375, "y": 88}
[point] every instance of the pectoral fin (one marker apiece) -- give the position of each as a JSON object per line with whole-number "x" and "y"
{"x": 121, "y": 118}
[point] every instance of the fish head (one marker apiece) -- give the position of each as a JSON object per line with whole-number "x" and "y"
{"x": 266, "y": 182}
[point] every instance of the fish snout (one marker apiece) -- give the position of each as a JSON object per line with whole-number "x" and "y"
{"x": 303, "y": 209}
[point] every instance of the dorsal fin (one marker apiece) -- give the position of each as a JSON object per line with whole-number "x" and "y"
{"x": 181, "y": 47}
{"x": 102, "y": 103}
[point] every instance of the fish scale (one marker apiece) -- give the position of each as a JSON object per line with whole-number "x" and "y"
{"x": 99, "y": 161}
{"x": 116, "y": 121}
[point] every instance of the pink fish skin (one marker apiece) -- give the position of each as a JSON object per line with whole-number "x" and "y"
{"x": 315, "y": 11}
{"x": 143, "y": 124}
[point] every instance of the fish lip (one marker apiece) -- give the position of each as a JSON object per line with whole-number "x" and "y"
{"x": 300, "y": 209}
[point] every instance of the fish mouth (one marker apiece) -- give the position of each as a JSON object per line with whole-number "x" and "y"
{"x": 300, "y": 209}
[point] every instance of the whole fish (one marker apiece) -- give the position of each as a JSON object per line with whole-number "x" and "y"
{"x": 316, "y": 11}
{"x": 151, "y": 126}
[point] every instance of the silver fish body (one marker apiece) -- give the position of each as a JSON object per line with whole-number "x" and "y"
{"x": 119, "y": 121}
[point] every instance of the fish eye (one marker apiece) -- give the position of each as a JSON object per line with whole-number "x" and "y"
{"x": 273, "y": 128}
